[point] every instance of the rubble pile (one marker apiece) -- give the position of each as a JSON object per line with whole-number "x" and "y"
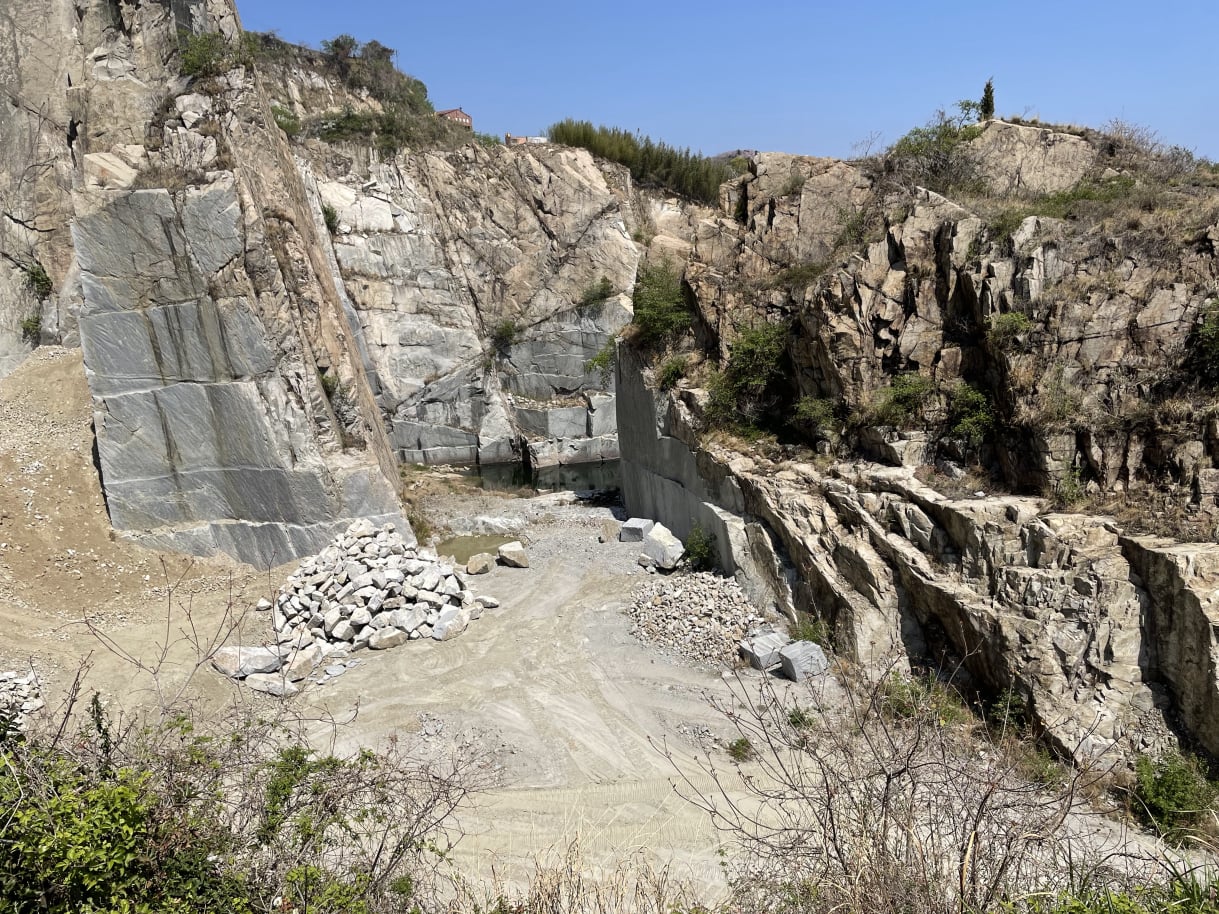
{"x": 368, "y": 589}
{"x": 699, "y": 615}
{"x": 20, "y": 696}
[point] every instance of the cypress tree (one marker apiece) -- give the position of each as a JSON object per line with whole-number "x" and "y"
{"x": 987, "y": 108}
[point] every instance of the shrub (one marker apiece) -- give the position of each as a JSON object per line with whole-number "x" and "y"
{"x": 742, "y": 393}
{"x": 912, "y": 697}
{"x": 331, "y": 217}
{"x": 330, "y": 384}
{"x": 901, "y": 403}
{"x": 1006, "y": 329}
{"x": 205, "y": 54}
{"x": 603, "y": 362}
{"x": 671, "y": 372}
{"x": 811, "y": 628}
{"x": 740, "y": 749}
{"x": 661, "y": 310}
{"x": 970, "y": 415}
{"x": 793, "y": 185}
{"x": 1172, "y": 793}
{"x": 818, "y": 414}
{"x": 288, "y": 122}
{"x": 504, "y": 334}
{"x": 597, "y": 292}
{"x": 1205, "y": 351}
{"x": 700, "y": 549}
{"x": 934, "y": 155}
{"x": 424, "y": 531}
{"x": 488, "y": 139}
{"x": 37, "y": 280}
{"x": 31, "y": 329}
{"x": 800, "y": 275}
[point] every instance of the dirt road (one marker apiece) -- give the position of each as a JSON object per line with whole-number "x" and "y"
{"x": 574, "y": 712}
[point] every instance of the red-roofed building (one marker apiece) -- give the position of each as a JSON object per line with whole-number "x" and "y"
{"x": 457, "y": 116}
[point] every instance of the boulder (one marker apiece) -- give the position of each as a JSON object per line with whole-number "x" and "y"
{"x": 762, "y": 651}
{"x": 272, "y": 684}
{"x": 513, "y": 555}
{"x": 240, "y": 662}
{"x": 387, "y": 638}
{"x": 802, "y": 659}
{"x": 611, "y": 530}
{"x": 486, "y": 602}
{"x": 303, "y": 662}
{"x": 662, "y": 547}
{"x": 452, "y": 622}
{"x": 480, "y": 564}
{"x": 635, "y": 529}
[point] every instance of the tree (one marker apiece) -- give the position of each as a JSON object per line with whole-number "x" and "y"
{"x": 341, "y": 47}
{"x": 987, "y": 106}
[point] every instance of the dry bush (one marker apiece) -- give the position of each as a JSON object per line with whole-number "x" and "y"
{"x": 565, "y": 882}
{"x": 166, "y": 804}
{"x": 881, "y": 803}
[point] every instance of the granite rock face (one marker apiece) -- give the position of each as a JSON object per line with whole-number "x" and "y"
{"x": 194, "y": 280}
{"x": 484, "y": 280}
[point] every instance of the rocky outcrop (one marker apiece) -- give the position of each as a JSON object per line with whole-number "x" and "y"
{"x": 1072, "y": 334}
{"x": 1015, "y": 159}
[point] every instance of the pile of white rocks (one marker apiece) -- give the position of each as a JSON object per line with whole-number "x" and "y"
{"x": 20, "y": 696}
{"x": 367, "y": 589}
{"x": 699, "y": 615}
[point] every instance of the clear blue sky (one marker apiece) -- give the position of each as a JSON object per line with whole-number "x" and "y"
{"x": 810, "y": 78}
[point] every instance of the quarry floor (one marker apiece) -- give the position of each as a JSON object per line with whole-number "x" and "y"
{"x": 584, "y": 729}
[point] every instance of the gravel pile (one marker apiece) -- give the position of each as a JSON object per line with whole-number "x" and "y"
{"x": 19, "y": 698}
{"x": 700, "y": 615}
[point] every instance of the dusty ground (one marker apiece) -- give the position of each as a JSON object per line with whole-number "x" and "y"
{"x": 572, "y": 710}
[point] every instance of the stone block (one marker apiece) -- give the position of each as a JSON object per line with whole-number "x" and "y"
{"x": 662, "y": 547}
{"x": 762, "y": 651}
{"x": 513, "y": 555}
{"x": 635, "y": 529}
{"x": 802, "y": 659}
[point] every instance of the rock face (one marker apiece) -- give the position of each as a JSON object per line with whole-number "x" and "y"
{"x": 256, "y": 380}
{"x": 484, "y": 281}
{"x": 1073, "y": 346}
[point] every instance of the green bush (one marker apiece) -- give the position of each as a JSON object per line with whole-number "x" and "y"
{"x": 801, "y": 275}
{"x": 934, "y": 155}
{"x": 37, "y": 280}
{"x": 818, "y": 414}
{"x": 910, "y": 697}
{"x": 288, "y": 122}
{"x": 741, "y": 749}
{"x": 597, "y": 292}
{"x": 811, "y": 628}
{"x": 206, "y": 54}
{"x": 742, "y": 393}
{"x": 662, "y": 312}
{"x": 700, "y": 549}
{"x": 1205, "y": 349}
{"x": 970, "y": 415}
{"x": 603, "y": 362}
{"x": 793, "y": 185}
{"x": 504, "y": 334}
{"x": 652, "y": 163}
{"x": 986, "y": 107}
{"x": 31, "y": 329}
{"x": 901, "y": 403}
{"x": 671, "y": 372}
{"x": 1005, "y": 329}
{"x": 1172, "y": 793}
{"x": 331, "y": 217}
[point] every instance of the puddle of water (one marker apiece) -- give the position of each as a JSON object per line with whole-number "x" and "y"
{"x": 462, "y": 547}
{"x": 575, "y": 477}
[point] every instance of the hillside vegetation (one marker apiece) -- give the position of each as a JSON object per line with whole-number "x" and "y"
{"x": 651, "y": 162}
